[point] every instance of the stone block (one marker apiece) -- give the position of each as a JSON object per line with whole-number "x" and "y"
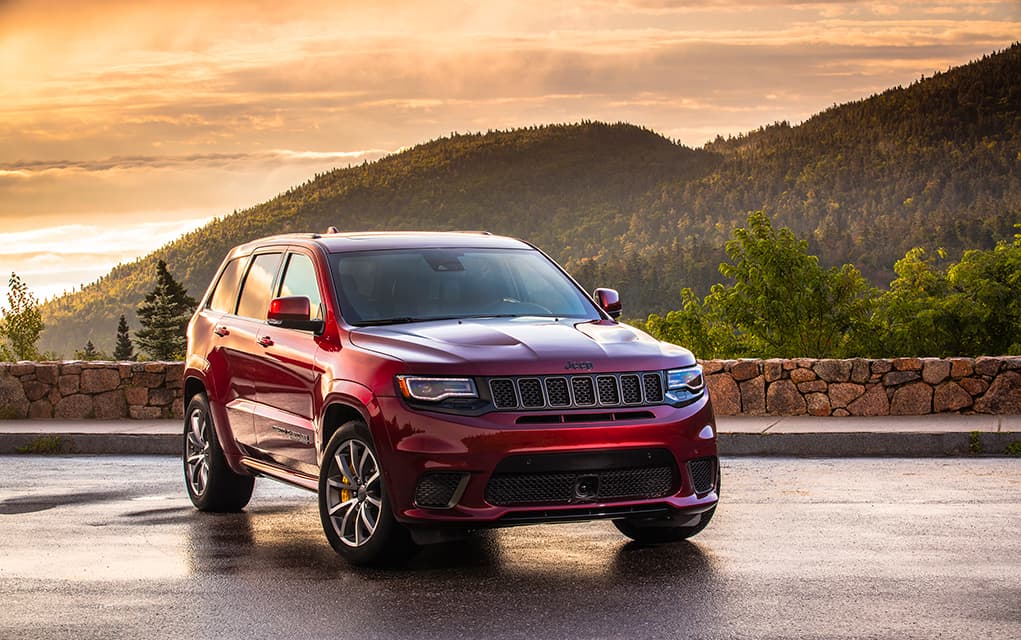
{"x": 711, "y": 366}
{"x": 986, "y": 366}
{"x": 47, "y": 373}
{"x": 907, "y": 364}
{"x": 1009, "y": 363}
{"x": 961, "y": 368}
{"x": 136, "y": 395}
{"x": 974, "y": 386}
{"x": 40, "y": 410}
{"x": 99, "y": 380}
{"x": 772, "y": 370}
{"x": 860, "y": 371}
{"x": 160, "y": 397}
{"x": 110, "y": 405}
{"x": 68, "y": 384}
{"x": 813, "y": 386}
{"x": 842, "y": 394}
{"x": 149, "y": 380}
{"x": 1003, "y": 396}
{"x": 74, "y": 407}
{"x": 35, "y": 390}
{"x": 895, "y": 378}
{"x": 70, "y": 368}
{"x": 833, "y": 370}
{"x": 950, "y": 396}
{"x": 784, "y": 399}
{"x": 124, "y": 369}
{"x": 935, "y": 371}
{"x": 818, "y": 404}
{"x": 174, "y": 371}
{"x": 745, "y": 370}
{"x": 841, "y": 413}
{"x": 13, "y": 402}
{"x": 20, "y": 369}
{"x": 753, "y": 396}
{"x": 872, "y": 403}
{"x": 912, "y": 400}
{"x": 724, "y": 393}
{"x": 177, "y": 408}
{"x": 154, "y": 367}
{"x": 802, "y": 375}
{"x": 882, "y": 366}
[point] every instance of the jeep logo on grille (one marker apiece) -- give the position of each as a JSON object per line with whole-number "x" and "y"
{"x": 579, "y": 364}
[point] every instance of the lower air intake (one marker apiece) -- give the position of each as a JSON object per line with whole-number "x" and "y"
{"x": 703, "y": 474}
{"x": 436, "y": 490}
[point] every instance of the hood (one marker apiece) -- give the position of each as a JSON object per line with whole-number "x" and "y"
{"x": 521, "y": 346}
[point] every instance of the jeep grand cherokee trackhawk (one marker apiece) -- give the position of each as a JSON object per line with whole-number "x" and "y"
{"x": 427, "y": 384}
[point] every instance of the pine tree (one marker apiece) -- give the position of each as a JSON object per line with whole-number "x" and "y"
{"x": 21, "y": 323}
{"x": 124, "y": 349}
{"x": 89, "y": 352}
{"x": 164, "y": 317}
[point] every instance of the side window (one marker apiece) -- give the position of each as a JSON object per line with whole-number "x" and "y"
{"x": 300, "y": 280}
{"x": 255, "y": 293}
{"x": 226, "y": 292}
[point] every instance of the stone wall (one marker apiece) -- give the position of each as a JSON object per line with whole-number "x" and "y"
{"x": 101, "y": 390}
{"x": 859, "y": 387}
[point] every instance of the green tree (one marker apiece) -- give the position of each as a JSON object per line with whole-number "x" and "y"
{"x": 164, "y": 316}
{"x": 89, "y": 352}
{"x": 781, "y": 303}
{"x": 123, "y": 350}
{"x": 21, "y": 323}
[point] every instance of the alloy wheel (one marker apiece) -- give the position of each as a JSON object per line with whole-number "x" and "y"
{"x": 197, "y": 453}
{"x": 353, "y": 493}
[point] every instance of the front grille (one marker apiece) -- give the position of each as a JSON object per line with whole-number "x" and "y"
{"x": 581, "y": 391}
{"x": 436, "y": 490}
{"x": 561, "y": 488}
{"x": 703, "y": 474}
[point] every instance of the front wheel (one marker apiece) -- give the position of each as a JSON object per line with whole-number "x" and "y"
{"x": 353, "y": 502}
{"x": 212, "y": 486}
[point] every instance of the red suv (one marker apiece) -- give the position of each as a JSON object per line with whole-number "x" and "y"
{"x": 426, "y": 384}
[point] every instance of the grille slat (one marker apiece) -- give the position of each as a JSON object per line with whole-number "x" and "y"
{"x": 577, "y": 391}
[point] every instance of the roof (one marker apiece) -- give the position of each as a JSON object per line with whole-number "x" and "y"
{"x": 380, "y": 240}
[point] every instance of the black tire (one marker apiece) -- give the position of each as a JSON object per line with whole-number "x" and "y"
{"x": 212, "y": 485}
{"x": 354, "y": 505}
{"x": 658, "y": 531}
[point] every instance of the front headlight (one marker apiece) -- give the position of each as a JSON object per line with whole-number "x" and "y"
{"x": 690, "y": 379}
{"x": 684, "y": 386}
{"x": 436, "y": 389}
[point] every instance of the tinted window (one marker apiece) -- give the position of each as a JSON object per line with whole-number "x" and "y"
{"x": 226, "y": 291}
{"x": 423, "y": 284}
{"x": 300, "y": 280}
{"x": 255, "y": 295}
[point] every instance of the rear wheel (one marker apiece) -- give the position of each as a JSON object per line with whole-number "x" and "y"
{"x": 353, "y": 503}
{"x": 212, "y": 486}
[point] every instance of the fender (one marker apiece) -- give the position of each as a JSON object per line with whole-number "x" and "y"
{"x": 195, "y": 370}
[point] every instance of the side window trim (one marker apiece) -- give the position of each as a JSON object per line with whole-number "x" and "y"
{"x": 285, "y": 266}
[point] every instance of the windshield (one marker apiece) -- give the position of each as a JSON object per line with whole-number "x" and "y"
{"x": 411, "y": 285}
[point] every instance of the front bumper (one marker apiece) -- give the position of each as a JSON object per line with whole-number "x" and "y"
{"x": 412, "y": 443}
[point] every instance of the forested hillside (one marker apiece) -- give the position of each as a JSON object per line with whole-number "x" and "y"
{"x": 936, "y": 164}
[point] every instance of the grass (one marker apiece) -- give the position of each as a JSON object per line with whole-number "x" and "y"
{"x": 43, "y": 445}
{"x": 1013, "y": 449}
{"x": 974, "y": 444}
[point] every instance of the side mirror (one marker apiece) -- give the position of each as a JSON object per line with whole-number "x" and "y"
{"x": 609, "y": 301}
{"x": 293, "y": 312}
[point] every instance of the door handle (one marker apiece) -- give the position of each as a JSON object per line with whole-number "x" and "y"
{"x": 221, "y": 331}
{"x": 265, "y": 341}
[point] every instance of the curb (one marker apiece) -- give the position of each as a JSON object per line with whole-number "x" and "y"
{"x": 830, "y": 445}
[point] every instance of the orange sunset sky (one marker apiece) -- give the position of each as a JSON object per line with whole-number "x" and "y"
{"x": 125, "y": 124}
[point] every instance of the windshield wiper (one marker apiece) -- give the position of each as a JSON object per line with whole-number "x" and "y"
{"x": 409, "y": 319}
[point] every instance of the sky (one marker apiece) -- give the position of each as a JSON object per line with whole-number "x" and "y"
{"x": 125, "y": 123}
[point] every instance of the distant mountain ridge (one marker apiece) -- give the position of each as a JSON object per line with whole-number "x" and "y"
{"x": 937, "y": 163}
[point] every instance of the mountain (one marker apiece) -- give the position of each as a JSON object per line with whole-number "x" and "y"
{"x": 935, "y": 164}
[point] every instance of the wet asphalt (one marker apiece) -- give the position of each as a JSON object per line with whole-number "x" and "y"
{"x": 109, "y": 547}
